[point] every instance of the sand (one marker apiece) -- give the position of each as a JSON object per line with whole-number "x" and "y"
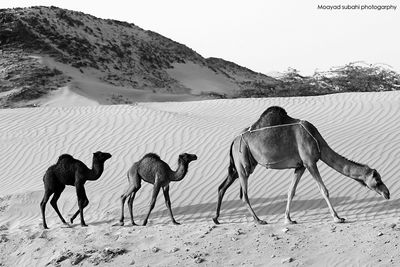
{"x": 361, "y": 126}
{"x": 86, "y": 87}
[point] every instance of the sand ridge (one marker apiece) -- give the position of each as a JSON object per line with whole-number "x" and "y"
{"x": 359, "y": 126}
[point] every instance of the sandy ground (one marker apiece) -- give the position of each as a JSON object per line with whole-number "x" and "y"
{"x": 360, "y": 126}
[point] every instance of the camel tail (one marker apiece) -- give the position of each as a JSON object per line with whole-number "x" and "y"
{"x": 232, "y": 172}
{"x": 232, "y": 169}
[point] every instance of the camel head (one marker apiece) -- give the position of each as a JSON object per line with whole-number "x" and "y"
{"x": 101, "y": 156}
{"x": 374, "y": 182}
{"x": 187, "y": 158}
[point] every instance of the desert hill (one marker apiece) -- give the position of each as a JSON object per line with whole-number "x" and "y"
{"x": 109, "y": 61}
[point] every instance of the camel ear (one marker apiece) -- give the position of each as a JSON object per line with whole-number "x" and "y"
{"x": 182, "y": 156}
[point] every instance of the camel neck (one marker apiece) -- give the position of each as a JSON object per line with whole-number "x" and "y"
{"x": 349, "y": 168}
{"x": 181, "y": 171}
{"x": 97, "y": 169}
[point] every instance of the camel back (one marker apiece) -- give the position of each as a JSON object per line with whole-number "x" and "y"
{"x": 152, "y": 155}
{"x": 272, "y": 116}
{"x": 65, "y": 156}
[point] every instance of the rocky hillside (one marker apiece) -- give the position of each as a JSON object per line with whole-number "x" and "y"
{"x": 118, "y": 54}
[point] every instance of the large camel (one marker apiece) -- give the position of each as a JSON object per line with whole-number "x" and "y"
{"x": 70, "y": 171}
{"x": 153, "y": 170}
{"x": 278, "y": 141}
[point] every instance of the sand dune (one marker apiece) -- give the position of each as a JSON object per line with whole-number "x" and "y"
{"x": 201, "y": 79}
{"x": 360, "y": 126}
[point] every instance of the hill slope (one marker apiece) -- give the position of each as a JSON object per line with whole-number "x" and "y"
{"x": 79, "y": 50}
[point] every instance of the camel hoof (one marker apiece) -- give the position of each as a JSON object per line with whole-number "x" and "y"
{"x": 339, "y": 220}
{"x": 84, "y": 225}
{"x": 176, "y": 223}
{"x": 66, "y": 225}
{"x": 215, "y": 220}
{"x": 290, "y": 222}
{"x": 118, "y": 224}
{"x": 134, "y": 224}
{"x": 71, "y": 220}
{"x": 261, "y": 222}
{"x": 45, "y": 227}
{"x": 144, "y": 223}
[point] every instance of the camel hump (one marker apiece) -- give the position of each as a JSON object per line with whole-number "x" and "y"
{"x": 273, "y": 115}
{"x": 65, "y": 156}
{"x": 276, "y": 110}
{"x": 152, "y": 155}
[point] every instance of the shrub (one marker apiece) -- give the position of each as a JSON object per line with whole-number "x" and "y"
{"x": 353, "y": 77}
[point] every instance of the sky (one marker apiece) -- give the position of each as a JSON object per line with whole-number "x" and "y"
{"x": 265, "y": 36}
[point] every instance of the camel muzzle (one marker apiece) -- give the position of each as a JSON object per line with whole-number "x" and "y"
{"x": 386, "y": 195}
{"x": 384, "y": 191}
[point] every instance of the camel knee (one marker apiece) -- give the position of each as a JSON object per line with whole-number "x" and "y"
{"x": 53, "y": 202}
{"x": 245, "y": 198}
{"x": 44, "y": 200}
{"x": 324, "y": 192}
{"x": 226, "y": 183}
{"x": 123, "y": 198}
{"x": 291, "y": 195}
{"x": 83, "y": 203}
{"x": 42, "y": 206}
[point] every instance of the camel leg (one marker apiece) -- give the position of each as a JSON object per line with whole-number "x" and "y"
{"x": 168, "y": 204}
{"x": 54, "y": 200}
{"x": 130, "y": 204}
{"x": 83, "y": 201}
{"x": 123, "y": 198}
{"x": 46, "y": 197}
{"x": 324, "y": 191}
{"x": 221, "y": 192}
{"x": 156, "y": 190}
{"x": 292, "y": 191}
{"x": 243, "y": 183}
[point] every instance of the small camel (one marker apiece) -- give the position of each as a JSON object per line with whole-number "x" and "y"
{"x": 153, "y": 170}
{"x": 70, "y": 171}
{"x": 278, "y": 141}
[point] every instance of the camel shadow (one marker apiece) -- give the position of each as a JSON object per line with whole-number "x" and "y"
{"x": 372, "y": 207}
{"x": 95, "y": 223}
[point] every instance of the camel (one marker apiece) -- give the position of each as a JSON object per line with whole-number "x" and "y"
{"x": 70, "y": 171}
{"x": 278, "y": 141}
{"x": 153, "y": 170}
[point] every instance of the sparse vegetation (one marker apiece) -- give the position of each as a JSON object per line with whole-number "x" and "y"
{"x": 353, "y": 77}
{"x": 23, "y": 78}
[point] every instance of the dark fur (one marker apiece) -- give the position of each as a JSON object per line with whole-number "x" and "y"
{"x": 272, "y": 116}
{"x": 73, "y": 172}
